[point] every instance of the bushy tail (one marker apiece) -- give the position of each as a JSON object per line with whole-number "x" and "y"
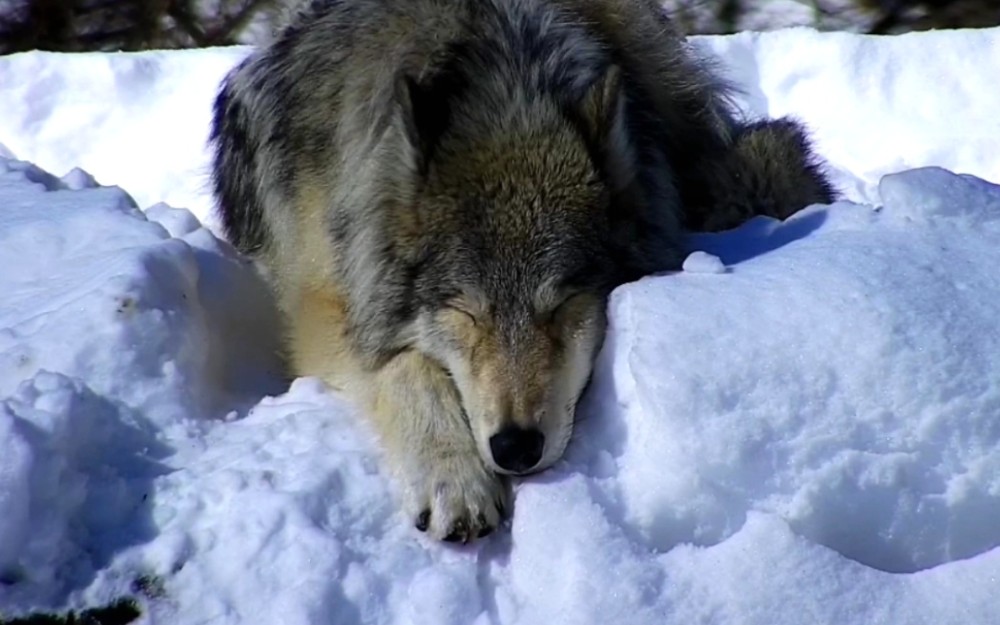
{"x": 770, "y": 169}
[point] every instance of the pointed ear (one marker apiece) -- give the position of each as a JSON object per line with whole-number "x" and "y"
{"x": 600, "y": 118}
{"x": 424, "y": 112}
{"x": 601, "y": 108}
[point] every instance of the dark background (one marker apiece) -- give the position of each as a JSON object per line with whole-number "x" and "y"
{"x": 80, "y": 25}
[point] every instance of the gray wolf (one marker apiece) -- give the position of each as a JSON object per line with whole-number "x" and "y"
{"x": 443, "y": 193}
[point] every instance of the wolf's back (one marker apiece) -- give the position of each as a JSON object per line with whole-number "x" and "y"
{"x": 291, "y": 113}
{"x": 313, "y": 110}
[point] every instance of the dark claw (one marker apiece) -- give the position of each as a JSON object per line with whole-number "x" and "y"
{"x": 423, "y": 521}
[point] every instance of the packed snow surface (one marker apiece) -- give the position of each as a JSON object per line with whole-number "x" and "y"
{"x": 803, "y": 426}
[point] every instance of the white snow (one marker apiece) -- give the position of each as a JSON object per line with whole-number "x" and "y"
{"x": 811, "y": 434}
{"x": 703, "y": 262}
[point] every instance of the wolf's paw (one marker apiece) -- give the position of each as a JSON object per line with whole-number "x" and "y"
{"x": 459, "y": 499}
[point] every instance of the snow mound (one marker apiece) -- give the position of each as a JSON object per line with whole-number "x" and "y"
{"x": 843, "y": 381}
{"x": 142, "y": 311}
{"x": 113, "y": 336}
{"x": 703, "y": 262}
{"x": 933, "y": 193}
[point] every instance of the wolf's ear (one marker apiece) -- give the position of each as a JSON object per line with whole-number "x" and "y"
{"x": 424, "y": 111}
{"x": 600, "y": 118}
{"x": 600, "y": 109}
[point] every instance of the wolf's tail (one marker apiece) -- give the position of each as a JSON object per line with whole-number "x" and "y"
{"x": 770, "y": 169}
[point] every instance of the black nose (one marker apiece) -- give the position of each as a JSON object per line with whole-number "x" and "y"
{"x": 517, "y": 450}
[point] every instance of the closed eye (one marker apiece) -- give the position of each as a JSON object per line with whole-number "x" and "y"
{"x": 550, "y": 316}
{"x": 465, "y": 312}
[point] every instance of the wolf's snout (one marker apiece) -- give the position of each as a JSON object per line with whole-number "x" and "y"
{"x": 517, "y": 450}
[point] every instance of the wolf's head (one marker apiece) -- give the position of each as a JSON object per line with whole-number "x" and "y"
{"x": 512, "y": 219}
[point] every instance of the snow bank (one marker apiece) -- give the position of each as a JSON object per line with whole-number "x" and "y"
{"x": 91, "y": 271}
{"x": 843, "y": 381}
{"x": 135, "y": 120}
{"x": 802, "y": 426}
{"x": 113, "y": 334}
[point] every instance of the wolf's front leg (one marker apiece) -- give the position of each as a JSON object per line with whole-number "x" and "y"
{"x": 450, "y": 493}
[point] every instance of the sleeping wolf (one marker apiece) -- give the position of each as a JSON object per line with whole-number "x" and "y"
{"x": 444, "y": 192}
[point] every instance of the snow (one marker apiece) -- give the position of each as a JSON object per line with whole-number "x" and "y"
{"x": 810, "y": 433}
{"x": 133, "y": 120}
{"x": 703, "y": 262}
